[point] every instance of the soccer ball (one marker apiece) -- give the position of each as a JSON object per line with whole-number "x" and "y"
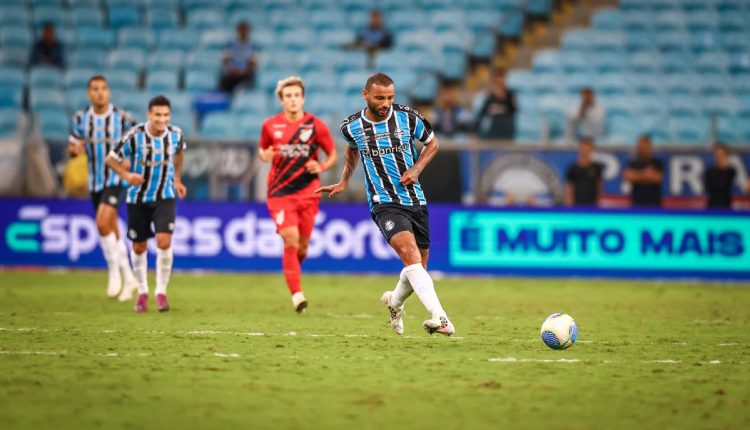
{"x": 559, "y": 331}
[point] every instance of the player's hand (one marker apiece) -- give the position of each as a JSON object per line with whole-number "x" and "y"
{"x": 134, "y": 179}
{"x": 181, "y": 189}
{"x": 332, "y": 190}
{"x": 313, "y": 167}
{"x": 267, "y": 154}
{"x": 410, "y": 177}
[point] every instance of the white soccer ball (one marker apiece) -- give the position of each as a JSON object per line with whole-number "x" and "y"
{"x": 559, "y": 331}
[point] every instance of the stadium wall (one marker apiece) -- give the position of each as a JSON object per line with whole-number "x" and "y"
{"x": 474, "y": 241}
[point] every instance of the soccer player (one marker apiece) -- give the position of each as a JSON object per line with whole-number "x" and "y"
{"x": 384, "y": 133}
{"x": 155, "y": 152}
{"x": 95, "y": 131}
{"x": 291, "y": 140}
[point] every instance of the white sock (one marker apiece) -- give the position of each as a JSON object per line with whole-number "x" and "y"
{"x": 140, "y": 267}
{"x": 402, "y": 291}
{"x": 164, "y": 259}
{"x": 110, "y": 251}
{"x": 422, "y": 284}
{"x": 124, "y": 263}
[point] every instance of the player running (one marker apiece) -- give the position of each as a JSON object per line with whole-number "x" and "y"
{"x": 290, "y": 140}
{"x": 155, "y": 152}
{"x": 384, "y": 133}
{"x": 96, "y": 130}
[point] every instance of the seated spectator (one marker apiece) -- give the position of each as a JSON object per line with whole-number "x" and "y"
{"x": 584, "y": 177}
{"x": 47, "y": 51}
{"x": 496, "y": 116}
{"x": 448, "y": 116}
{"x": 375, "y": 36}
{"x": 645, "y": 173}
{"x": 239, "y": 60}
{"x": 586, "y": 119}
{"x": 718, "y": 179}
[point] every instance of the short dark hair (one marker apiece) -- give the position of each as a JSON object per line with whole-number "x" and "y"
{"x": 721, "y": 146}
{"x": 378, "y": 79}
{"x": 586, "y": 140}
{"x": 587, "y": 89}
{"x": 159, "y": 101}
{"x": 94, "y": 79}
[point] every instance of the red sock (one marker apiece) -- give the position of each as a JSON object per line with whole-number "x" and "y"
{"x": 290, "y": 261}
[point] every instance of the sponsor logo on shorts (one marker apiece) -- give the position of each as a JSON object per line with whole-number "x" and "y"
{"x": 171, "y": 226}
{"x": 280, "y": 218}
{"x": 132, "y": 234}
{"x": 112, "y": 200}
{"x": 389, "y": 225}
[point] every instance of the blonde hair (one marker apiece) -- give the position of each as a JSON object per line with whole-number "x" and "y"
{"x": 288, "y": 82}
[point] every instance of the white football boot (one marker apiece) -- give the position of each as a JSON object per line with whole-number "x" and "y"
{"x": 299, "y": 302}
{"x": 114, "y": 283}
{"x": 440, "y": 325}
{"x": 397, "y": 314}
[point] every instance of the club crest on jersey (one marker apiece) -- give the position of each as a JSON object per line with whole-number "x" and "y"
{"x": 278, "y": 134}
{"x": 305, "y": 134}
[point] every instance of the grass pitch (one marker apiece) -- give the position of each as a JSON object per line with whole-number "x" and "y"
{"x": 233, "y": 354}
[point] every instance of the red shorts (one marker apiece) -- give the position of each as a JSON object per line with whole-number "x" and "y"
{"x": 294, "y": 212}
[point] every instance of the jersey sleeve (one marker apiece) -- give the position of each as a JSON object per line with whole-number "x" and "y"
{"x": 179, "y": 141}
{"x": 421, "y": 128}
{"x": 265, "y": 136}
{"x": 125, "y": 147}
{"x": 347, "y": 135}
{"x": 658, "y": 164}
{"x": 324, "y": 136}
{"x": 76, "y": 128}
{"x": 128, "y": 121}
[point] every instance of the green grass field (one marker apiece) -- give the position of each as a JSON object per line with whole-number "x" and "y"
{"x": 233, "y": 354}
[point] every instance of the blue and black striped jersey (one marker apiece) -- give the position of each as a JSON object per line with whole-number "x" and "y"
{"x": 100, "y": 134}
{"x": 387, "y": 149}
{"x": 153, "y": 158}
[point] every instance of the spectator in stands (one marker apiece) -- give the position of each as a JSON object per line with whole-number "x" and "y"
{"x": 448, "y": 116}
{"x": 375, "y": 36}
{"x": 496, "y": 116}
{"x": 586, "y": 119}
{"x": 240, "y": 60}
{"x": 48, "y": 51}
{"x": 584, "y": 177}
{"x": 718, "y": 179}
{"x": 645, "y": 174}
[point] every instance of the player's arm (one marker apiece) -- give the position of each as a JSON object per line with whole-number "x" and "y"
{"x": 76, "y": 141}
{"x": 351, "y": 158}
{"x": 116, "y": 161}
{"x": 568, "y": 194}
{"x": 429, "y": 150}
{"x": 266, "y": 149}
{"x": 181, "y": 189}
{"x": 328, "y": 146}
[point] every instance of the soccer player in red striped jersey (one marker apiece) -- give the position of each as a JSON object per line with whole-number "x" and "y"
{"x": 291, "y": 140}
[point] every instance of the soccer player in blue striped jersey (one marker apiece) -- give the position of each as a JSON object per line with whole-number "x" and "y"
{"x": 150, "y": 158}
{"x": 383, "y": 134}
{"x": 95, "y": 131}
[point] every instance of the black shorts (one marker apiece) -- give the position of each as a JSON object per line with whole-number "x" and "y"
{"x": 140, "y": 216}
{"x": 111, "y": 196}
{"x": 392, "y": 219}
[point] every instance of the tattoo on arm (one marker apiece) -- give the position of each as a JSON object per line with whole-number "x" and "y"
{"x": 350, "y": 163}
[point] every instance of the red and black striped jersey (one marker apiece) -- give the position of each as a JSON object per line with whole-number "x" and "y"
{"x": 296, "y": 143}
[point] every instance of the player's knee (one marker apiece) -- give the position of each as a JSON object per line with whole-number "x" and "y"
{"x": 140, "y": 247}
{"x": 103, "y": 226}
{"x": 301, "y": 254}
{"x": 163, "y": 242}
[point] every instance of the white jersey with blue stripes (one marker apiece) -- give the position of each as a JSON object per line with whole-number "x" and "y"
{"x": 387, "y": 149}
{"x": 100, "y": 133}
{"x": 153, "y": 158}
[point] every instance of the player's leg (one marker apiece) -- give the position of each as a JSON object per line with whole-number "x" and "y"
{"x": 163, "y": 219}
{"x": 139, "y": 230}
{"x": 106, "y": 222}
{"x": 285, "y": 216}
{"x": 108, "y": 243}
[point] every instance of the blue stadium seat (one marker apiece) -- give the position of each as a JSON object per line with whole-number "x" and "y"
{"x": 186, "y": 121}
{"x": 711, "y": 84}
{"x": 740, "y": 63}
{"x": 677, "y": 62}
{"x": 611, "y": 84}
{"x": 645, "y": 62}
{"x": 617, "y": 105}
{"x": 86, "y": 17}
{"x": 453, "y": 66}
{"x": 136, "y": 38}
{"x": 683, "y": 106}
{"x": 221, "y": 126}
{"x": 670, "y": 21}
{"x": 329, "y": 19}
{"x": 575, "y": 62}
{"x": 14, "y": 15}
{"x": 521, "y": 81}
{"x": 320, "y": 81}
{"x": 548, "y": 61}
{"x": 10, "y": 119}
{"x": 216, "y": 39}
{"x": 204, "y": 60}
{"x": 13, "y": 77}
{"x": 539, "y": 8}
{"x": 652, "y": 105}
{"x": 740, "y": 86}
{"x": 635, "y": 5}
{"x": 608, "y": 19}
{"x": 199, "y": 4}
{"x": 94, "y": 38}
{"x": 182, "y": 102}
{"x": 333, "y": 39}
{"x": 76, "y": 78}
{"x": 712, "y": 62}
{"x": 88, "y": 58}
{"x": 622, "y": 129}
{"x": 352, "y": 60}
{"x": 298, "y": 40}
{"x": 671, "y": 41}
{"x": 637, "y": 21}
{"x": 122, "y": 81}
{"x": 640, "y": 40}
{"x": 171, "y": 60}
{"x": 200, "y": 81}
{"x": 250, "y": 128}
{"x": 54, "y": 125}
{"x": 163, "y": 81}
{"x": 255, "y": 102}
{"x": 575, "y": 82}
{"x": 702, "y": 21}
{"x": 511, "y": 24}
{"x": 690, "y": 131}
{"x": 10, "y": 96}
{"x": 281, "y": 60}
{"x": 703, "y": 41}
{"x": 182, "y": 39}
{"x": 353, "y": 82}
{"x": 607, "y": 61}
{"x": 549, "y": 85}
{"x": 127, "y": 59}
{"x": 685, "y": 84}
{"x": 721, "y": 106}
{"x": 646, "y": 83}
{"x": 13, "y": 36}
{"x": 77, "y": 100}
{"x": 80, "y": 4}
{"x": 205, "y": 19}
{"x": 161, "y": 17}
{"x": 46, "y": 99}
{"x": 426, "y": 88}
{"x": 731, "y": 22}
{"x": 47, "y": 14}
{"x": 528, "y": 128}
{"x": 610, "y": 41}
{"x": 42, "y": 78}
{"x": 136, "y": 103}
{"x": 14, "y": 57}
{"x": 735, "y": 42}
{"x": 483, "y": 47}
{"x": 124, "y": 16}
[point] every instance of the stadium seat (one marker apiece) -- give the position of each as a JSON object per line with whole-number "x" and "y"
{"x": 10, "y": 96}
{"x": 528, "y": 128}
{"x": 45, "y": 14}
{"x": 703, "y": 20}
{"x": 14, "y": 57}
{"x": 607, "y": 61}
{"x": 677, "y": 62}
{"x": 122, "y": 80}
{"x": 76, "y": 78}
{"x": 81, "y": 4}
{"x": 639, "y": 40}
{"x": 608, "y": 19}
{"x": 521, "y": 81}
{"x": 353, "y": 82}
{"x": 735, "y": 42}
{"x": 204, "y": 60}
{"x": 637, "y": 21}
{"x": 46, "y": 99}
{"x": 186, "y": 122}
{"x": 10, "y": 119}
{"x": 690, "y": 131}
{"x": 136, "y": 103}
{"x": 611, "y": 84}
{"x": 334, "y": 39}
{"x": 426, "y": 88}
{"x": 740, "y": 63}
{"x": 13, "y": 77}
{"x": 670, "y": 21}
{"x": 94, "y": 38}
{"x": 683, "y": 106}
{"x": 730, "y": 22}
{"x": 511, "y": 24}
{"x": 136, "y": 38}
{"x": 221, "y": 126}
{"x": 254, "y": 102}
{"x": 14, "y": 36}
{"x": 54, "y": 125}
{"x": 609, "y": 41}
{"x": 127, "y": 59}
{"x": 645, "y": 62}
{"x": 182, "y": 102}
{"x": 86, "y": 17}
{"x": 320, "y": 81}
{"x": 672, "y": 41}
{"x": 43, "y": 78}
{"x": 216, "y": 39}
{"x": 200, "y": 81}
{"x": 646, "y": 83}
{"x": 162, "y": 81}
{"x": 720, "y": 106}
{"x": 161, "y": 17}
{"x": 182, "y": 39}
{"x": 352, "y": 61}
{"x": 205, "y": 19}
{"x": 298, "y": 40}
{"x": 576, "y": 40}
{"x": 704, "y": 41}
{"x": 124, "y": 16}
{"x": 77, "y": 100}
{"x": 682, "y": 84}
{"x": 622, "y": 129}
{"x": 172, "y": 60}
{"x": 712, "y": 62}
{"x": 14, "y": 15}
{"x": 548, "y": 61}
